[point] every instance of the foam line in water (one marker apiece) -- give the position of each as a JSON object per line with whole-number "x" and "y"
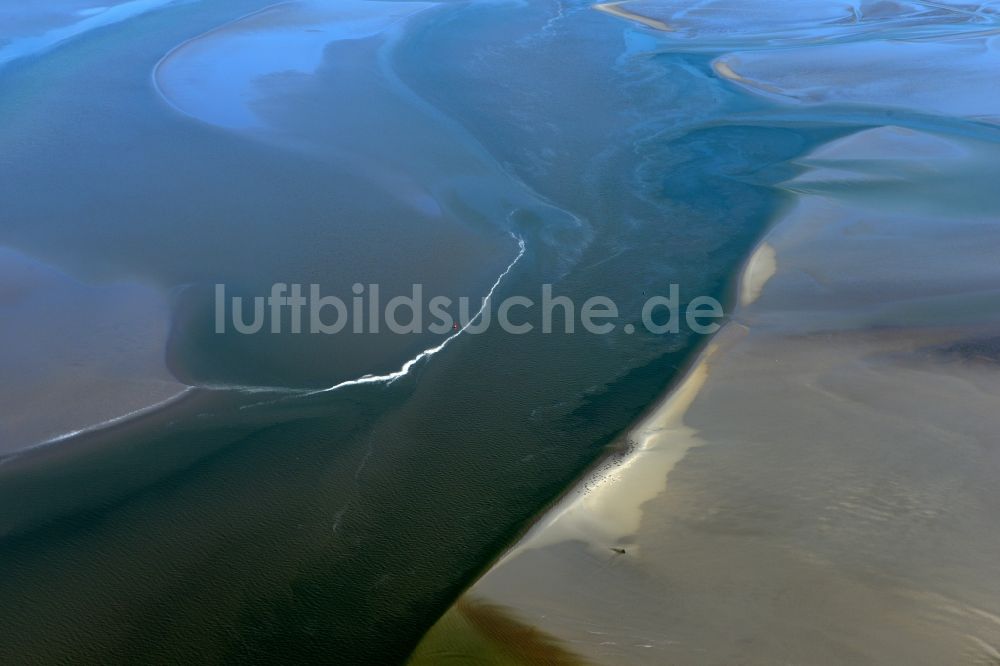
{"x": 102, "y": 425}
{"x": 427, "y": 353}
{"x": 366, "y": 379}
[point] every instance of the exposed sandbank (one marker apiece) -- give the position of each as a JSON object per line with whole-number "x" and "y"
{"x": 825, "y": 489}
{"x": 820, "y": 488}
{"x": 762, "y": 266}
{"x": 712, "y": 25}
{"x": 616, "y": 9}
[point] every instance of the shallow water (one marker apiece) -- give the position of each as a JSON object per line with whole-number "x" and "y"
{"x": 273, "y": 521}
{"x": 817, "y": 489}
{"x": 284, "y": 523}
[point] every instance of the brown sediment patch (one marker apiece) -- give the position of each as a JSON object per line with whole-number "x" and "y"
{"x": 616, "y": 9}
{"x": 525, "y": 643}
{"x": 475, "y": 631}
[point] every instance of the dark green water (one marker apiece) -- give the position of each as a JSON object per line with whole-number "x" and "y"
{"x": 338, "y": 526}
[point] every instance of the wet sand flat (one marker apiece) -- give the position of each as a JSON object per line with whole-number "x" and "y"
{"x": 820, "y": 488}
{"x": 952, "y": 77}
{"x": 794, "y": 499}
{"x": 76, "y": 355}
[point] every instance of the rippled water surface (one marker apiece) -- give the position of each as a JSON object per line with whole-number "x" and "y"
{"x": 161, "y": 148}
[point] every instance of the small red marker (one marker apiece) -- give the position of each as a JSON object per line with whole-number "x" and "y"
{"x": 454, "y": 326}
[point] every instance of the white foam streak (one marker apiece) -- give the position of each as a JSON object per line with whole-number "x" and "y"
{"x": 102, "y": 425}
{"x": 427, "y": 353}
{"x": 366, "y": 379}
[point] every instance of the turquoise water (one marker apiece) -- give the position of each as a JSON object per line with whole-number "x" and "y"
{"x": 338, "y": 526}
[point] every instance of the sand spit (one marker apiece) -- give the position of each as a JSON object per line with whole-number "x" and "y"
{"x": 616, "y": 9}
{"x": 713, "y": 25}
{"x": 821, "y": 487}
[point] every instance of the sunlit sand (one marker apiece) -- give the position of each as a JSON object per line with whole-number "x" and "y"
{"x": 617, "y": 9}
